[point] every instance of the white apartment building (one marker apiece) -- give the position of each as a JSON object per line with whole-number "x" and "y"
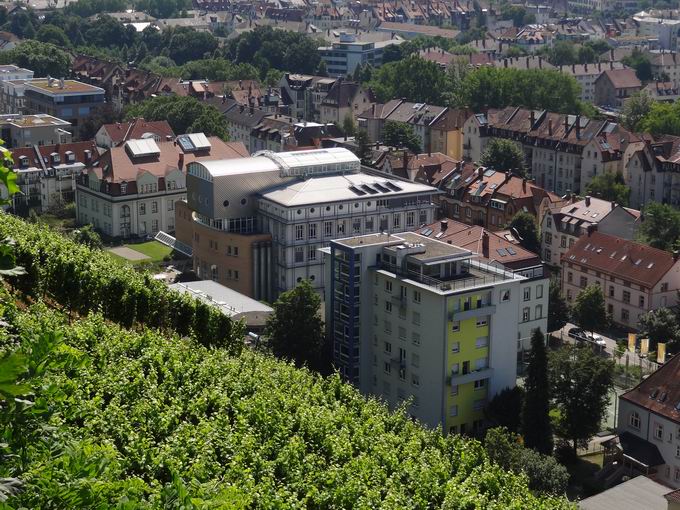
{"x": 562, "y": 227}
{"x": 413, "y": 318}
{"x": 29, "y": 130}
{"x": 132, "y": 189}
{"x": 11, "y": 87}
{"x": 635, "y": 278}
{"x": 649, "y": 426}
{"x": 586, "y": 74}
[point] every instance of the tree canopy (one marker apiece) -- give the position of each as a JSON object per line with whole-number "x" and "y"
{"x": 662, "y": 118}
{"x": 641, "y": 63}
{"x": 184, "y": 114}
{"x": 412, "y": 78}
{"x": 660, "y": 226}
{"x": 558, "y": 310}
{"x": 42, "y": 58}
{"x": 536, "y": 427}
{"x": 660, "y": 325}
{"x": 609, "y": 186}
{"x": 580, "y": 381}
{"x": 525, "y": 225}
{"x": 588, "y": 310}
{"x": 635, "y": 110}
{"x": 504, "y": 155}
{"x": 401, "y": 136}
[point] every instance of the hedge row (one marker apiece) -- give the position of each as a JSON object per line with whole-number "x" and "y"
{"x": 84, "y": 280}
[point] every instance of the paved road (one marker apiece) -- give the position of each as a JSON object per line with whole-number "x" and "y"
{"x": 633, "y": 358}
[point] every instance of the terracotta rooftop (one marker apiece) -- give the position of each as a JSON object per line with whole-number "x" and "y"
{"x": 622, "y": 78}
{"x": 77, "y": 148}
{"x": 660, "y": 392}
{"x": 626, "y": 260}
{"x": 137, "y": 128}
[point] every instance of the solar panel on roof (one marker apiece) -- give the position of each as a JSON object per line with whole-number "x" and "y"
{"x": 393, "y": 186}
{"x": 381, "y": 188}
{"x": 427, "y": 232}
{"x": 367, "y": 188}
{"x": 185, "y": 143}
{"x": 356, "y": 191}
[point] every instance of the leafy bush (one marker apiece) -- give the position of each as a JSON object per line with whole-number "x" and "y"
{"x": 83, "y": 280}
{"x": 142, "y": 421}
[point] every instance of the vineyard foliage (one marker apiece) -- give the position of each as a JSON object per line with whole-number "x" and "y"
{"x": 84, "y": 280}
{"x": 135, "y": 420}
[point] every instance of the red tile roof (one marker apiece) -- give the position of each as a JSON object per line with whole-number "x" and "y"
{"x": 622, "y": 78}
{"x": 622, "y": 258}
{"x": 78, "y": 149}
{"x": 660, "y": 392}
{"x": 136, "y": 128}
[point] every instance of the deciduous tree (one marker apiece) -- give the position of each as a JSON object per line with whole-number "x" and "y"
{"x": 660, "y": 325}
{"x": 504, "y": 155}
{"x": 609, "y": 186}
{"x": 401, "y": 135}
{"x": 588, "y": 310}
{"x": 660, "y": 226}
{"x": 558, "y": 310}
{"x": 525, "y": 226}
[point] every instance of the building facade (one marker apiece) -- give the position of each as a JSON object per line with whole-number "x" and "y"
{"x": 415, "y": 318}
{"x": 29, "y": 130}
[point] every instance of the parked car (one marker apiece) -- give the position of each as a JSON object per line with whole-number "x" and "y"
{"x": 582, "y": 336}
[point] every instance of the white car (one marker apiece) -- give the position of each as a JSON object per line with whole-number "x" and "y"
{"x": 598, "y": 340}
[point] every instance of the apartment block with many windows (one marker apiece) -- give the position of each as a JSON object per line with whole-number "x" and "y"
{"x": 415, "y": 319}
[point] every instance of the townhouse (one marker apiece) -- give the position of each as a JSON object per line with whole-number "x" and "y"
{"x": 562, "y": 226}
{"x": 615, "y": 86}
{"x": 587, "y": 74}
{"x": 653, "y": 171}
{"x": 345, "y": 99}
{"x": 635, "y": 278}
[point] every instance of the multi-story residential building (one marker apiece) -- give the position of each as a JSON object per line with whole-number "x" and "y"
{"x": 635, "y": 278}
{"x": 242, "y": 120}
{"x": 344, "y": 99}
{"x": 615, "y": 86}
{"x": 11, "y": 87}
{"x": 654, "y": 25}
{"x": 586, "y": 75}
{"x": 113, "y": 135}
{"x": 302, "y": 94}
{"x": 29, "y": 130}
{"x": 526, "y": 62}
{"x": 46, "y": 174}
{"x": 491, "y": 199}
{"x": 662, "y": 91}
{"x": 666, "y": 66}
{"x": 420, "y": 116}
{"x": 649, "y": 426}
{"x": 652, "y": 171}
{"x": 298, "y": 201}
{"x": 343, "y": 57}
{"x": 446, "y": 133}
{"x": 67, "y": 99}
{"x": 502, "y": 249}
{"x": 555, "y": 145}
{"x": 562, "y": 226}
{"x": 131, "y": 189}
{"x": 411, "y": 317}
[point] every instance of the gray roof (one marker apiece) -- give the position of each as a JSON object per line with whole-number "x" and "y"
{"x": 640, "y": 492}
{"x": 229, "y": 301}
{"x": 245, "y": 116}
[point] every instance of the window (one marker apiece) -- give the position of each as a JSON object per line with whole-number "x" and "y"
{"x": 402, "y": 333}
{"x": 658, "y": 431}
{"x": 410, "y": 219}
{"x": 154, "y": 225}
{"x": 416, "y": 296}
{"x": 311, "y": 252}
{"x": 341, "y": 227}
{"x": 388, "y": 327}
{"x": 548, "y": 238}
{"x": 387, "y": 367}
{"x": 583, "y": 282}
{"x": 538, "y": 312}
{"x": 539, "y": 291}
{"x": 455, "y": 369}
{"x": 456, "y": 326}
{"x": 677, "y": 474}
{"x": 328, "y": 228}
{"x": 626, "y": 296}
{"x": 664, "y": 287}
{"x": 505, "y": 295}
{"x": 625, "y": 315}
{"x": 611, "y": 291}
{"x": 482, "y": 341}
{"x": 677, "y": 451}
{"x": 299, "y": 232}
{"x": 154, "y": 207}
{"x": 635, "y": 420}
{"x": 213, "y": 273}
{"x": 455, "y": 347}
{"x": 388, "y": 306}
{"x": 453, "y": 411}
{"x": 481, "y": 322}
{"x": 299, "y": 254}
{"x": 396, "y": 221}
{"x": 235, "y": 274}
{"x": 388, "y": 348}
{"x": 525, "y": 314}
{"x": 415, "y": 380}
{"x": 641, "y": 301}
{"x": 480, "y": 384}
{"x": 481, "y": 363}
{"x": 527, "y": 293}
{"x": 311, "y": 231}
{"x": 388, "y": 286}
{"x": 356, "y": 226}
{"x": 415, "y": 338}
{"x": 416, "y": 318}
{"x": 142, "y": 208}
{"x": 454, "y": 389}
{"x": 171, "y": 205}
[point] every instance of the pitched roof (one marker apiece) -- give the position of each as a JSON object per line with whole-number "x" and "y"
{"x": 77, "y": 148}
{"x": 117, "y": 165}
{"x": 625, "y": 259}
{"x": 137, "y": 128}
{"x": 622, "y": 78}
{"x": 660, "y": 392}
{"x": 591, "y": 210}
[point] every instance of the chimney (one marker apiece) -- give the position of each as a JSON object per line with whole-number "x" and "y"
{"x": 591, "y": 229}
{"x": 405, "y": 159}
{"x": 480, "y": 172}
{"x": 524, "y": 184}
{"x": 505, "y": 62}
{"x": 485, "y": 243}
{"x": 587, "y": 200}
{"x": 532, "y": 119}
{"x": 550, "y": 127}
{"x": 180, "y": 162}
{"x": 444, "y": 225}
{"x": 573, "y": 68}
{"x": 578, "y": 127}
{"x": 88, "y": 155}
{"x": 566, "y": 123}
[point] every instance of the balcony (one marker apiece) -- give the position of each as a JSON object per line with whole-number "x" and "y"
{"x": 475, "y": 375}
{"x": 484, "y": 310}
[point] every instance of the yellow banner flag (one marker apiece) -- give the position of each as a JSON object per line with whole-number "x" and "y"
{"x": 644, "y": 346}
{"x": 661, "y": 353}
{"x": 632, "y": 339}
